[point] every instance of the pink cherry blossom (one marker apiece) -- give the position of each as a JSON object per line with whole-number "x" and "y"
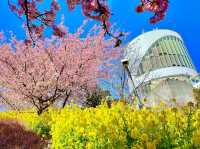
{"x": 55, "y": 70}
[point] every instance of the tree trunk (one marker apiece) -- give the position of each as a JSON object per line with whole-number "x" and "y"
{"x": 66, "y": 98}
{"x": 39, "y": 111}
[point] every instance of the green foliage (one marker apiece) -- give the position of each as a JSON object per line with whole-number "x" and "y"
{"x": 94, "y": 98}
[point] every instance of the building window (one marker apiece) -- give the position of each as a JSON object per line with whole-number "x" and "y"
{"x": 166, "y": 52}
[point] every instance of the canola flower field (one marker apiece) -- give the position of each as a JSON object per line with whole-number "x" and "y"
{"x": 119, "y": 127}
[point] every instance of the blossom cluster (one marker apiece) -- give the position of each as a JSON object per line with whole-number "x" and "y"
{"x": 158, "y": 7}
{"x": 37, "y": 19}
{"x": 33, "y": 15}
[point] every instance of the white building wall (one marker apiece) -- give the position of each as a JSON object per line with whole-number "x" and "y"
{"x": 136, "y": 50}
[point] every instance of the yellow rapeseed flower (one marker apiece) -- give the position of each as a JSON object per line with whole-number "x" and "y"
{"x": 136, "y": 147}
{"x": 151, "y": 145}
{"x": 196, "y": 138}
{"x": 134, "y": 133}
{"x": 89, "y": 145}
{"x": 92, "y": 133}
{"x": 144, "y": 138}
{"x": 81, "y": 130}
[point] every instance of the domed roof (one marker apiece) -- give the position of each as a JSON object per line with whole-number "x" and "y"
{"x": 140, "y": 45}
{"x": 137, "y": 48}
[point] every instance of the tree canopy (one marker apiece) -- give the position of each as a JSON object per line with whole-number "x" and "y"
{"x": 54, "y": 70}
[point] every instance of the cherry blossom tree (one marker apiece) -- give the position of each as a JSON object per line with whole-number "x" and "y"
{"x": 54, "y": 70}
{"x": 37, "y": 19}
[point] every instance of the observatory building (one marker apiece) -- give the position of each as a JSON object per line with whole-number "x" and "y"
{"x": 161, "y": 67}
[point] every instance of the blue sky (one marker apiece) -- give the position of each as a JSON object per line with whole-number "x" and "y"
{"x": 182, "y": 17}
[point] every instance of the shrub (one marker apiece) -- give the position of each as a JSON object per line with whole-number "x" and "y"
{"x": 14, "y": 136}
{"x": 39, "y": 124}
{"x": 94, "y": 98}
